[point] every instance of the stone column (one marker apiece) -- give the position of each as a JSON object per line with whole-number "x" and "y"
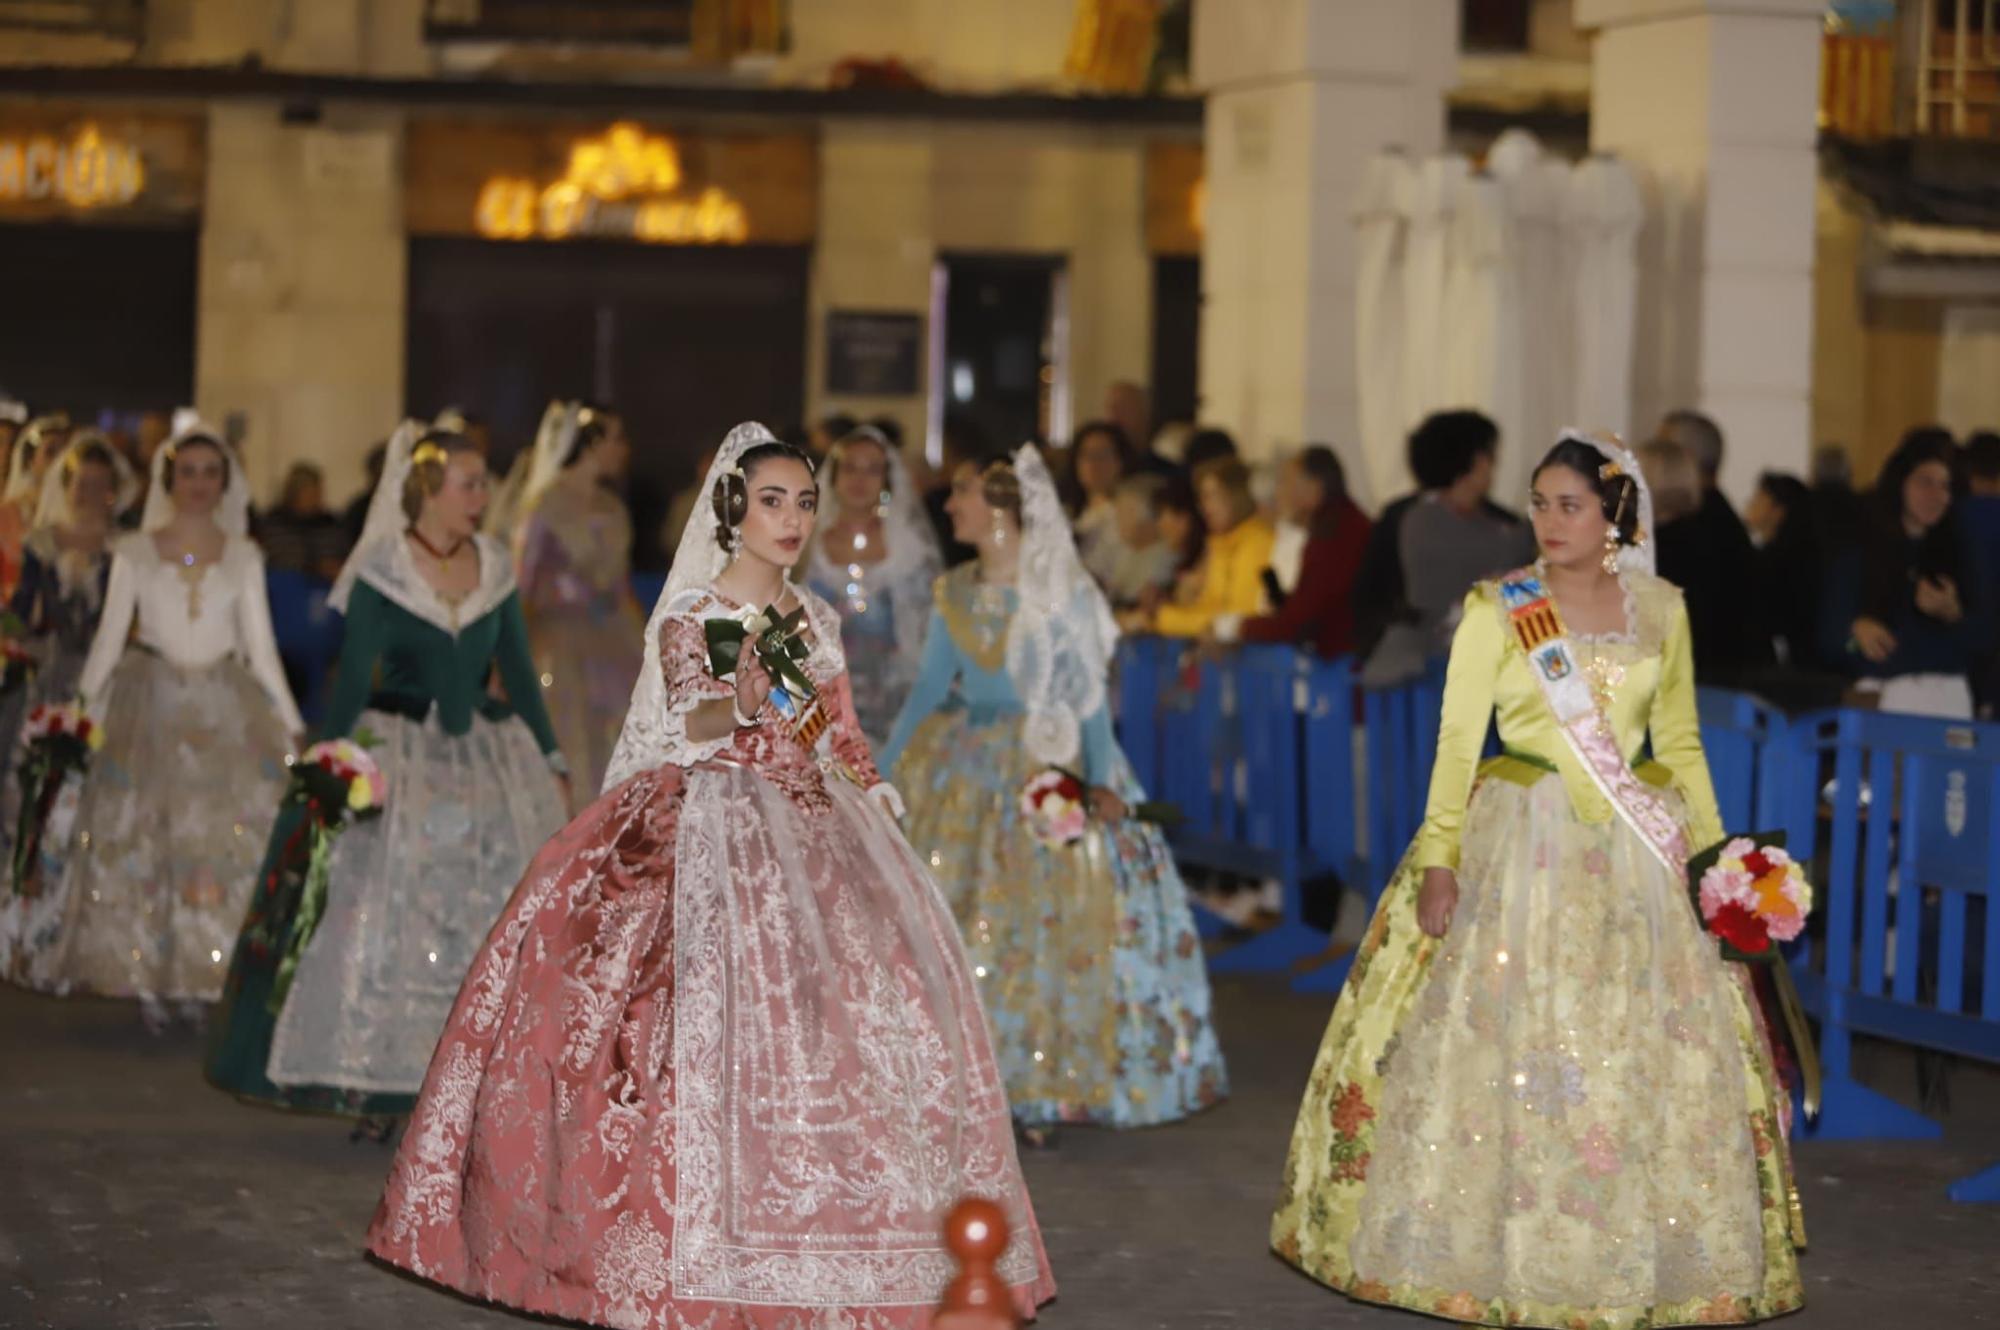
{"x": 873, "y": 250}
{"x": 1301, "y": 93}
{"x": 303, "y": 261}
{"x": 1714, "y": 103}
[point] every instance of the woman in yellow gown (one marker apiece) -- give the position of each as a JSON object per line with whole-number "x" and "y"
{"x": 1544, "y": 1099}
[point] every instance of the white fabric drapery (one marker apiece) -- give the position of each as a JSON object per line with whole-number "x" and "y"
{"x": 1482, "y": 315}
{"x": 1542, "y": 322}
{"x": 1426, "y": 205}
{"x": 1605, "y": 211}
{"x": 1511, "y": 290}
{"x": 1379, "y": 239}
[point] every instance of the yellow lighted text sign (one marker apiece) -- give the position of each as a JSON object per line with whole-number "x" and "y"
{"x": 622, "y": 184}
{"x": 85, "y": 170}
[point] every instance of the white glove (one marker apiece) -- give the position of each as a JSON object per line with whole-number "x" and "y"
{"x": 884, "y": 797}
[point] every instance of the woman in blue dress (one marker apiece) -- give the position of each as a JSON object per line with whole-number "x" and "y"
{"x": 875, "y": 560}
{"x": 1086, "y": 954}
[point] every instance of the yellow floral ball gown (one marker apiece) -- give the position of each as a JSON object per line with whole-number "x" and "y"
{"x": 1563, "y": 1113}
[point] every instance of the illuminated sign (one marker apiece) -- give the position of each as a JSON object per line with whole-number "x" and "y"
{"x": 85, "y": 170}
{"x": 622, "y": 184}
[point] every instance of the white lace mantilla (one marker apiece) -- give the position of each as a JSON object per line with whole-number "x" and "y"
{"x": 389, "y": 567}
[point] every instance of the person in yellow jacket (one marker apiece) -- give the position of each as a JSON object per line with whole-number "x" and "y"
{"x": 1231, "y": 574}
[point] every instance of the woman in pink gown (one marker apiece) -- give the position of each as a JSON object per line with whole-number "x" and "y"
{"x": 721, "y": 1063}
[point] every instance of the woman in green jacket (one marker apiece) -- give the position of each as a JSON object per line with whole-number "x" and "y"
{"x": 474, "y": 787}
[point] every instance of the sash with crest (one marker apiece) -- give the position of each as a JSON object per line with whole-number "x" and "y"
{"x": 1538, "y": 626}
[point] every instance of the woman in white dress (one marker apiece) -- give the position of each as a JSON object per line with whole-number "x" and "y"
{"x": 198, "y": 722}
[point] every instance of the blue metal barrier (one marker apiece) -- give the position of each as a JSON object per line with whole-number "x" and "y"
{"x": 1258, "y": 748}
{"x": 1254, "y": 747}
{"x": 1908, "y": 884}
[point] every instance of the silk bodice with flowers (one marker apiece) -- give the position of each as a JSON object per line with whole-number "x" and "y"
{"x": 191, "y": 616}
{"x": 768, "y": 747}
{"x": 1643, "y": 678}
{"x": 965, "y": 665}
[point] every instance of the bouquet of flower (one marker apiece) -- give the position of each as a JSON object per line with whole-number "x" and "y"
{"x": 57, "y": 740}
{"x": 1056, "y": 804}
{"x": 334, "y": 784}
{"x": 1750, "y": 894}
{"x": 17, "y": 666}
{"x": 337, "y": 779}
{"x": 778, "y": 640}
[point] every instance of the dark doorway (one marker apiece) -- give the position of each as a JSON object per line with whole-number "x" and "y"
{"x": 684, "y": 342}
{"x": 1001, "y": 366}
{"x": 1176, "y": 339}
{"x": 98, "y": 318}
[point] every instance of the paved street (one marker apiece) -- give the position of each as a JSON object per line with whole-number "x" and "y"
{"x": 132, "y": 1197}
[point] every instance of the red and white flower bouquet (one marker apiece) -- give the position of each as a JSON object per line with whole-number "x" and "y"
{"x": 1751, "y": 895}
{"x": 56, "y": 740}
{"x": 1055, "y": 804}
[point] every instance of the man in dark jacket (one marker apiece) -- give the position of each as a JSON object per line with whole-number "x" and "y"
{"x": 1723, "y": 648}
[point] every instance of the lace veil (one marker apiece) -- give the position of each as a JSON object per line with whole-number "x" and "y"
{"x": 1060, "y": 642}
{"x": 232, "y": 512}
{"x": 553, "y": 441}
{"x": 698, "y": 560}
{"x": 52, "y": 508}
{"x": 386, "y": 519}
{"x": 21, "y": 464}
{"x": 1642, "y": 556}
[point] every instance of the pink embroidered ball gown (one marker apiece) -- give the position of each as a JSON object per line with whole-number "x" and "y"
{"x": 721, "y": 1063}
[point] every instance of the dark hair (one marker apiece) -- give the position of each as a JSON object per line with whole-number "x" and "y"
{"x": 1071, "y": 484}
{"x": 426, "y": 475}
{"x": 199, "y": 440}
{"x": 837, "y": 425}
{"x": 92, "y": 451}
{"x": 593, "y": 427}
{"x": 1323, "y": 465}
{"x": 1447, "y": 443}
{"x": 1617, "y": 493}
{"x": 378, "y": 457}
{"x": 998, "y": 484}
{"x": 731, "y": 498}
{"x": 1700, "y": 435}
{"x": 1177, "y": 495}
{"x": 1207, "y": 445}
{"x": 889, "y": 428}
{"x": 1922, "y": 445}
{"x": 1787, "y": 491}
{"x": 1111, "y": 430}
{"x": 300, "y": 474}
{"x": 1892, "y": 562}
{"x": 1982, "y": 455}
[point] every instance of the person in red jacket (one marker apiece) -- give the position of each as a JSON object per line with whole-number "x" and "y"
{"x": 1315, "y": 599}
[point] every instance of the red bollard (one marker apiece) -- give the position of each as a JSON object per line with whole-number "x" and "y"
{"x": 976, "y": 1233}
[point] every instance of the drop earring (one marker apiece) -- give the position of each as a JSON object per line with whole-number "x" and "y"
{"x": 1611, "y": 551}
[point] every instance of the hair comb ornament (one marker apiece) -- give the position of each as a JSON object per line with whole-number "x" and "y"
{"x": 427, "y": 452}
